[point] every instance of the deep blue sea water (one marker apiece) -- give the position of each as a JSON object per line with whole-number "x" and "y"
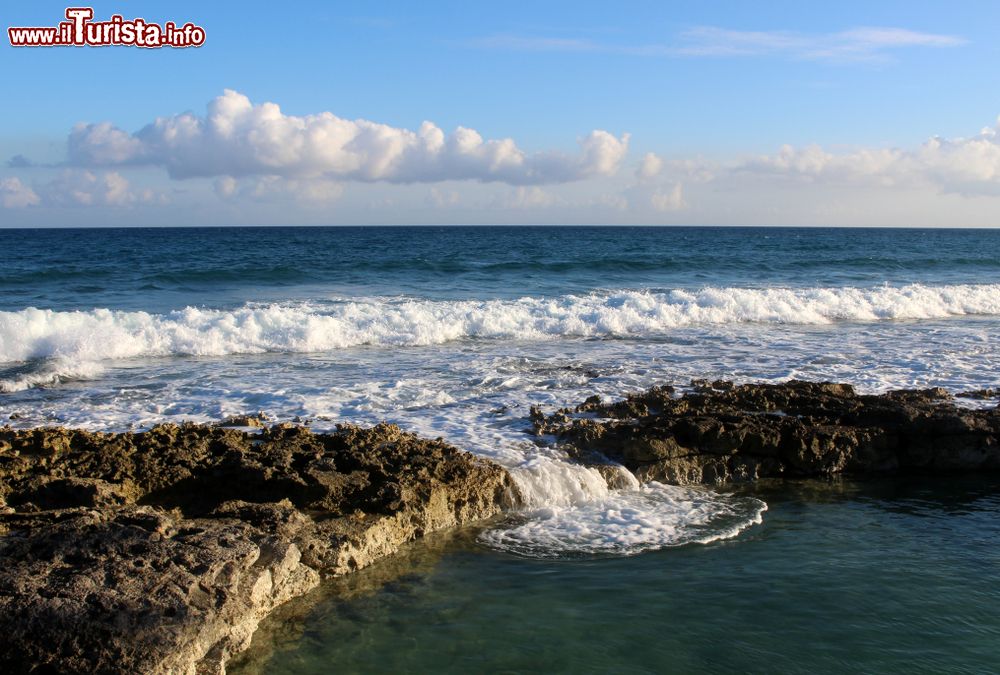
{"x": 456, "y": 332}
{"x": 157, "y": 269}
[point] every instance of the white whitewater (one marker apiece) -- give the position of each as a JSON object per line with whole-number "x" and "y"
{"x": 570, "y": 511}
{"x": 103, "y": 334}
{"x": 471, "y": 369}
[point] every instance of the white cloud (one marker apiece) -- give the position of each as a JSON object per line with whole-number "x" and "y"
{"x": 649, "y": 167}
{"x": 225, "y": 186}
{"x": 960, "y": 165}
{"x": 617, "y": 202}
{"x": 812, "y": 162}
{"x": 965, "y": 166}
{"x": 16, "y": 195}
{"x": 526, "y": 198}
{"x": 105, "y": 143}
{"x": 263, "y": 162}
{"x": 86, "y": 188}
{"x": 278, "y": 188}
{"x": 238, "y": 138}
{"x": 440, "y": 198}
{"x": 672, "y": 199}
{"x": 317, "y": 190}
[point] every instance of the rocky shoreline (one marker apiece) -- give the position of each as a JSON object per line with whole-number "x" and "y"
{"x": 721, "y": 432}
{"x": 159, "y": 552}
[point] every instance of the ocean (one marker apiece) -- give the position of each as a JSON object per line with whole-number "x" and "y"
{"x": 457, "y": 331}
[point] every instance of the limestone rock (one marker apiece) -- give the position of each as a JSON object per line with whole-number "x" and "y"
{"x": 159, "y": 552}
{"x": 722, "y": 432}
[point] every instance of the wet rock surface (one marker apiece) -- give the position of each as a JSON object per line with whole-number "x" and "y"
{"x": 161, "y": 551}
{"x": 720, "y": 432}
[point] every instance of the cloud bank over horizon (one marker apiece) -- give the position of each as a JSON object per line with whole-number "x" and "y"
{"x": 238, "y": 138}
{"x": 241, "y": 156}
{"x": 967, "y": 166}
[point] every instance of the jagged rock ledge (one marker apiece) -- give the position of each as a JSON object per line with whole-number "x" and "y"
{"x": 159, "y": 552}
{"x": 720, "y": 432}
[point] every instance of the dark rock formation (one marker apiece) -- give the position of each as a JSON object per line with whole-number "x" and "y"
{"x": 982, "y": 394}
{"x": 721, "y": 432}
{"x": 160, "y": 552}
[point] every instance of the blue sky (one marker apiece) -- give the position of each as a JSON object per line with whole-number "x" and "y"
{"x": 708, "y": 113}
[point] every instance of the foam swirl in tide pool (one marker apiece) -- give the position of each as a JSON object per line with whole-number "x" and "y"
{"x": 627, "y": 522}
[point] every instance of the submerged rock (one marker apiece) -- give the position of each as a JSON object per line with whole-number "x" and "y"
{"x": 721, "y": 432}
{"x": 159, "y": 552}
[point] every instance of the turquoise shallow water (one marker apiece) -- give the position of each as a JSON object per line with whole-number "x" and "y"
{"x": 878, "y": 577}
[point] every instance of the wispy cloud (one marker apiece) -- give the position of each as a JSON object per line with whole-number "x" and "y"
{"x": 854, "y": 45}
{"x": 540, "y": 44}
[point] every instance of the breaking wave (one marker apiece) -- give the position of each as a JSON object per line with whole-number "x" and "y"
{"x": 103, "y": 334}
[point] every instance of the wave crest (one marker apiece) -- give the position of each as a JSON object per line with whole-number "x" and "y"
{"x": 103, "y": 334}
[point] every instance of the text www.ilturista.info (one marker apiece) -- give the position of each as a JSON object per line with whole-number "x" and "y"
{"x": 81, "y": 31}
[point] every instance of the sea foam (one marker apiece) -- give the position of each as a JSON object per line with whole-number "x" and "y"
{"x": 627, "y": 522}
{"x": 103, "y": 334}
